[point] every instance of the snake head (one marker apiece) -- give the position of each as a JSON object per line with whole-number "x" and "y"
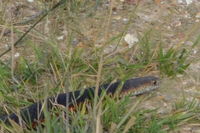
{"x": 138, "y": 86}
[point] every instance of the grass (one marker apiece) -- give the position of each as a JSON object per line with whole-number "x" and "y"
{"x": 50, "y": 66}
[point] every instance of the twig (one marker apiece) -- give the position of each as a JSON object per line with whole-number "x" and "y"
{"x": 42, "y": 17}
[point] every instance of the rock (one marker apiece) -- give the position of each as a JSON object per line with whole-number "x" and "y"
{"x": 131, "y": 39}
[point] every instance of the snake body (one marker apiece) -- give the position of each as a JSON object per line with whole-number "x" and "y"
{"x": 33, "y": 113}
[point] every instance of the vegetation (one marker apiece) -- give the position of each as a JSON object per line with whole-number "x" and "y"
{"x": 49, "y": 66}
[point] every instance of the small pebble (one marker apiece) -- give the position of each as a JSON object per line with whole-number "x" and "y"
{"x": 60, "y": 37}
{"x": 17, "y": 55}
{"x": 131, "y": 39}
{"x": 30, "y": 1}
{"x": 125, "y": 19}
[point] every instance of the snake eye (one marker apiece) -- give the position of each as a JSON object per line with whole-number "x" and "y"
{"x": 155, "y": 82}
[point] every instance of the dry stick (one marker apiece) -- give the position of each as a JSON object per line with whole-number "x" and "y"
{"x": 100, "y": 66}
{"x": 12, "y": 52}
{"x": 13, "y": 64}
{"x": 98, "y": 128}
{"x": 13, "y": 59}
{"x": 42, "y": 17}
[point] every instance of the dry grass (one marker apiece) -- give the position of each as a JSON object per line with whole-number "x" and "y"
{"x": 81, "y": 44}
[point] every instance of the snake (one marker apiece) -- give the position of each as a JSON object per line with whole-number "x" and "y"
{"x": 34, "y": 113}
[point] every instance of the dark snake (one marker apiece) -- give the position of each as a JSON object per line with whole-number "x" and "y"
{"x": 32, "y": 114}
